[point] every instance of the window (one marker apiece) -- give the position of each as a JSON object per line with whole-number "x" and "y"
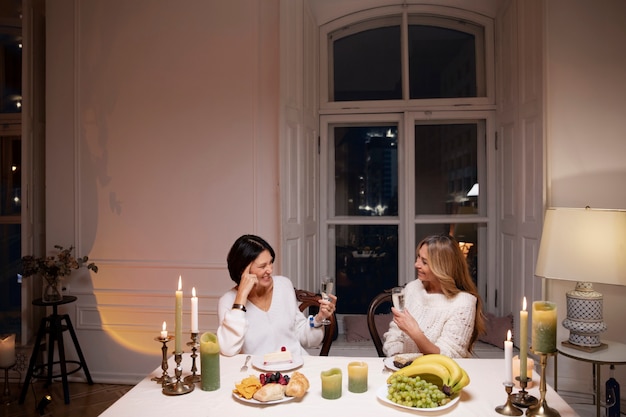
{"x": 10, "y": 169}
{"x": 406, "y": 117}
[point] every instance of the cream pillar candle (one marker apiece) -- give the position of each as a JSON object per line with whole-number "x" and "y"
{"x": 544, "y": 327}
{"x": 357, "y": 377}
{"x": 331, "y": 384}
{"x": 209, "y": 362}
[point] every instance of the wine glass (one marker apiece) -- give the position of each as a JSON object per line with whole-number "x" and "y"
{"x": 397, "y": 295}
{"x": 327, "y": 286}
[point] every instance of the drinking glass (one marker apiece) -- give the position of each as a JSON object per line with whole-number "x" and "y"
{"x": 397, "y": 295}
{"x": 327, "y": 286}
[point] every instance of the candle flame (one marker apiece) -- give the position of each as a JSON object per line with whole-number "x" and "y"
{"x": 524, "y": 304}
{"x": 164, "y": 326}
{"x": 508, "y": 336}
{"x": 193, "y": 292}
{"x": 180, "y": 283}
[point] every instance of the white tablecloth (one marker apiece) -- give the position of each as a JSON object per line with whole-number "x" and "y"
{"x": 479, "y": 399}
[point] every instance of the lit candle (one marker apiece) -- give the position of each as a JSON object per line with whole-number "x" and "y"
{"x": 523, "y": 340}
{"x": 508, "y": 359}
{"x": 164, "y": 331}
{"x": 7, "y": 351}
{"x": 544, "y": 328}
{"x": 357, "y": 377}
{"x": 178, "y": 330}
{"x": 194, "y": 311}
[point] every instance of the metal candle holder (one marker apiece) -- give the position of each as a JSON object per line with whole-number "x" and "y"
{"x": 522, "y": 398}
{"x": 6, "y": 392}
{"x": 509, "y": 409}
{"x": 541, "y": 409}
{"x": 164, "y": 379}
{"x": 178, "y": 387}
{"x": 193, "y": 378}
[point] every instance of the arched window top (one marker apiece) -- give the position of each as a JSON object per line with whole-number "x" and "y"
{"x": 405, "y": 56}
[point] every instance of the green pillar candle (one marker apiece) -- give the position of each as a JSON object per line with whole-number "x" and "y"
{"x": 544, "y": 327}
{"x": 331, "y": 384}
{"x": 209, "y": 362}
{"x": 357, "y": 377}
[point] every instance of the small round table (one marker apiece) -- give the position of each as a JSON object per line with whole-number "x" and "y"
{"x": 613, "y": 354}
{"x": 54, "y": 325}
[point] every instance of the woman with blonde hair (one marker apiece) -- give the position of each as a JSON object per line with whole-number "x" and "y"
{"x": 442, "y": 312}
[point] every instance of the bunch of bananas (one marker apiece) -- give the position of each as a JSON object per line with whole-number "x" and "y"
{"x": 441, "y": 370}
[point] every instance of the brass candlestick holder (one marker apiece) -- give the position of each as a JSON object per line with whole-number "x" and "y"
{"x": 178, "y": 387}
{"x": 193, "y": 378}
{"x": 522, "y": 398}
{"x": 7, "y": 399}
{"x": 508, "y": 409}
{"x": 164, "y": 379}
{"x": 541, "y": 409}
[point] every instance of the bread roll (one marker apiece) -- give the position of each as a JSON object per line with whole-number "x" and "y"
{"x": 298, "y": 385}
{"x": 270, "y": 392}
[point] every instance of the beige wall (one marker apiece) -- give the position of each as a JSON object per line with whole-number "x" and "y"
{"x": 162, "y": 148}
{"x": 586, "y": 135}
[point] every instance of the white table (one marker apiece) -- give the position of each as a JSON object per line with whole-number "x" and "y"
{"x": 484, "y": 393}
{"x": 614, "y": 354}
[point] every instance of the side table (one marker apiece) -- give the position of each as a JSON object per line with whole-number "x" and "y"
{"x": 614, "y": 354}
{"x": 54, "y": 325}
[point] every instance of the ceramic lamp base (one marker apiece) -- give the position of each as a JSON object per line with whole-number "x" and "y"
{"x": 584, "y": 316}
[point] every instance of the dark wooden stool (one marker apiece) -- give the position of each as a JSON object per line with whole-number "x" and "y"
{"x": 54, "y": 326}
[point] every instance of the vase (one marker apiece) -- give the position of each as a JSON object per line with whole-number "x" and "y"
{"x": 52, "y": 291}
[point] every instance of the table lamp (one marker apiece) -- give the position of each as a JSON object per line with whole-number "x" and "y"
{"x": 584, "y": 245}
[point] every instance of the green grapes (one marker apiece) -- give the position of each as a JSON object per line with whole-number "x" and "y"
{"x": 413, "y": 391}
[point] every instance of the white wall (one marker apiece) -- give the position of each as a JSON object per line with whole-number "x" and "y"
{"x": 586, "y": 138}
{"x": 162, "y": 148}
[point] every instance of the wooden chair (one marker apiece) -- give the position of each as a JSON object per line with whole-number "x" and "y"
{"x": 309, "y": 299}
{"x": 380, "y": 299}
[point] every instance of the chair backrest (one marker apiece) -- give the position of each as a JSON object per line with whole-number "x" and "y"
{"x": 382, "y": 298}
{"x": 310, "y": 299}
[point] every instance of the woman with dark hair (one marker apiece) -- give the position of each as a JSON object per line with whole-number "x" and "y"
{"x": 442, "y": 311}
{"x": 260, "y": 314}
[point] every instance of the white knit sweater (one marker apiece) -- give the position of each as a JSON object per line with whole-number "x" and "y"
{"x": 258, "y": 332}
{"x": 447, "y": 322}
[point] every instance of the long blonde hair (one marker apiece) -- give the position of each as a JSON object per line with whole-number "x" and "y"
{"x": 448, "y": 264}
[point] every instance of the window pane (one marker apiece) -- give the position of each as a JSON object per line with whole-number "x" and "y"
{"x": 11, "y": 70}
{"x": 10, "y": 290}
{"x": 366, "y": 65}
{"x": 10, "y": 175}
{"x": 465, "y": 233}
{"x": 445, "y": 169}
{"x": 442, "y": 63}
{"x": 366, "y": 171}
{"x": 366, "y": 264}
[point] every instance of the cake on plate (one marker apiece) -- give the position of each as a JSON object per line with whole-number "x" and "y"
{"x": 277, "y": 358}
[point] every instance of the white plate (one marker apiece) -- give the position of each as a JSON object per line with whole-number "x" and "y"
{"x": 257, "y": 362}
{"x": 382, "y": 395}
{"x": 253, "y": 401}
{"x": 389, "y": 361}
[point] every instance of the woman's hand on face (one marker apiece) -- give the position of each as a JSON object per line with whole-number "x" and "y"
{"x": 247, "y": 281}
{"x": 327, "y": 308}
{"x": 405, "y": 321}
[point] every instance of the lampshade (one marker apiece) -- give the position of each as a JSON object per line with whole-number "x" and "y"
{"x": 584, "y": 245}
